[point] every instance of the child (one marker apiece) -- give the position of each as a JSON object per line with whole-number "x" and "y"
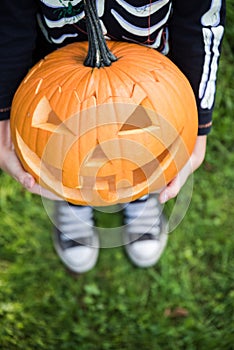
{"x": 190, "y": 33}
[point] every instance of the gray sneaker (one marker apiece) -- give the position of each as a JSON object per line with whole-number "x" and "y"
{"x": 146, "y": 231}
{"x": 75, "y": 238}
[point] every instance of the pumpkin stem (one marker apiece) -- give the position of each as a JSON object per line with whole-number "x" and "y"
{"x": 99, "y": 54}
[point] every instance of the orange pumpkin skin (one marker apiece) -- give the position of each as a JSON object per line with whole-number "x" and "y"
{"x": 108, "y": 135}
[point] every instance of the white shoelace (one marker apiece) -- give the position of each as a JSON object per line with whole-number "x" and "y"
{"x": 74, "y": 222}
{"x": 143, "y": 217}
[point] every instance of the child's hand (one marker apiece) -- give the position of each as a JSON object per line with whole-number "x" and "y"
{"x": 196, "y": 159}
{"x": 11, "y": 165}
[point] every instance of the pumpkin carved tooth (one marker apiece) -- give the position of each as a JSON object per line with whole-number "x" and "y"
{"x": 106, "y": 132}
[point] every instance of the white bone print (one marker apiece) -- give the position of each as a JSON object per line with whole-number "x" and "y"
{"x": 212, "y": 36}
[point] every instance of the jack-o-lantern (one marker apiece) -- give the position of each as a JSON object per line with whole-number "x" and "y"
{"x": 109, "y": 130}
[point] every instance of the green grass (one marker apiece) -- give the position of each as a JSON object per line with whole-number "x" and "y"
{"x": 117, "y": 306}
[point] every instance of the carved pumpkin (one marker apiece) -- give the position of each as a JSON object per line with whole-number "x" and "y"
{"x": 102, "y": 135}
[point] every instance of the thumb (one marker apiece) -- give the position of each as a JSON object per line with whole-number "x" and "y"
{"x": 173, "y": 188}
{"x": 27, "y": 181}
{"x": 15, "y": 169}
{"x": 170, "y": 191}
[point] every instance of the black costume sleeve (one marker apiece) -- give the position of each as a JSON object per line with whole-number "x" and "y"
{"x": 17, "y": 42}
{"x": 196, "y": 31}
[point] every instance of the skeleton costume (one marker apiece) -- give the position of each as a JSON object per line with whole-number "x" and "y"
{"x": 189, "y": 32}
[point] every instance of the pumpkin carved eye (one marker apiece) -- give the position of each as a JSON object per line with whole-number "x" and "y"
{"x": 138, "y": 122}
{"x": 45, "y": 118}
